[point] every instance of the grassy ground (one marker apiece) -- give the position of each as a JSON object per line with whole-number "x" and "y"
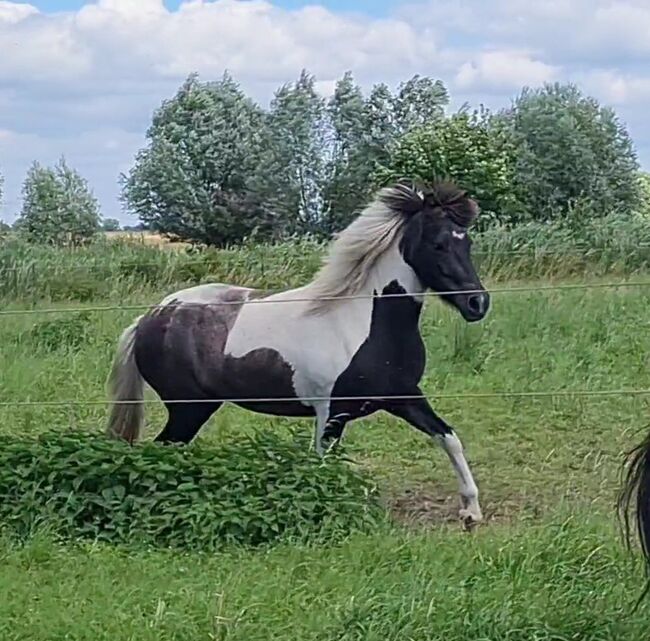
{"x": 547, "y": 566}
{"x": 564, "y": 580}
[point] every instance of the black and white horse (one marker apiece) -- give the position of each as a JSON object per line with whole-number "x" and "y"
{"x": 337, "y": 349}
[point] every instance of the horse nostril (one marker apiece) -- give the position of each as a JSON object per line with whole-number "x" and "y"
{"x": 476, "y": 304}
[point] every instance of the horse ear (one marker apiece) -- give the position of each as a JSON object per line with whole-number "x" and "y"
{"x": 412, "y": 237}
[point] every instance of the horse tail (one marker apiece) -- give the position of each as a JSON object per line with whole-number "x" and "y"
{"x": 126, "y": 389}
{"x": 634, "y": 501}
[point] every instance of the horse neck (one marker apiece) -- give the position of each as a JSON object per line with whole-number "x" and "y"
{"x": 390, "y": 267}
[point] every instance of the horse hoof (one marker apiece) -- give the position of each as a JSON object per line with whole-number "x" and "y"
{"x": 469, "y": 519}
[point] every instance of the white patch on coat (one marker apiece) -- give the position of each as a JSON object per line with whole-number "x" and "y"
{"x": 318, "y": 347}
{"x": 202, "y": 294}
{"x": 458, "y": 234}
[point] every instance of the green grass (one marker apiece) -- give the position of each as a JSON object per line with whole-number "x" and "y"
{"x": 548, "y": 565}
{"x": 565, "y": 580}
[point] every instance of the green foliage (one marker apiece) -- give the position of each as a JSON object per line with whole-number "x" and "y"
{"x": 420, "y": 102}
{"x": 58, "y": 206}
{"x": 466, "y": 148}
{"x": 68, "y": 333}
{"x": 644, "y": 181}
{"x": 110, "y": 224}
{"x": 194, "y": 178}
{"x": 218, "y": 169}
{"x": 572, "y": 154}
{"x": 257, "y": 491}
{"x": 352, "y": 157}
{"x": 294, "y": 159}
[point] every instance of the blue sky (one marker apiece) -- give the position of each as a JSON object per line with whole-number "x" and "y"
{"x": 81, "y": 79}
{"x": 371, "y": 7}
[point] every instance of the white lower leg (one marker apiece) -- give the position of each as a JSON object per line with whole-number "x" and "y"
{"x": 470, "y": 511}
{"x": 322, "y": 413}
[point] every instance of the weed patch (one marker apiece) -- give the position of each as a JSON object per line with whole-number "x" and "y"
{"x": 257, "y": 491}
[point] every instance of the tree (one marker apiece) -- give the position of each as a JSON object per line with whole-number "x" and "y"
{"x": 351, "y": 164}
{"x": 570, "y": 151}
{"x": 644, "y": 180}
{"x": 111, "y": 224}
{"x": 466, "y": 148}
{"x": 420, "y": 102}
{"x": 58, "y": 206}
{"x": 381, "y": 122}
{"x": 296, "y": 156}
{"x": 204, "y": 149}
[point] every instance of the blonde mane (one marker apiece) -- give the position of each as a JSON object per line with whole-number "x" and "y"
{"x": 355, "y": 251}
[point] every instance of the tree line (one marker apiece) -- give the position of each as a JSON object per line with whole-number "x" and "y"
{"x": 218, "y": 168}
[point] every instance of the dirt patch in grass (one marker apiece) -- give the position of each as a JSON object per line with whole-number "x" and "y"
{"x": 423, "y": 506}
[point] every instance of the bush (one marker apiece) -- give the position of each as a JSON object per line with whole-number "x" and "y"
{"x": 110, "y": 224}
{"x": 257, "y": 491}
{"x": 127, "y": 273}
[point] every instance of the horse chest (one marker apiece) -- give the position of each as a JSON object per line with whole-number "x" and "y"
{"x": 392, "y": 358}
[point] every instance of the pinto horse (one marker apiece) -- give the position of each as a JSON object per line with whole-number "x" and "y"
{"x": 340, "y": 348}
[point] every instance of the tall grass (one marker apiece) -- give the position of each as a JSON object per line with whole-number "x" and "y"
{"x": 106, "y": 270}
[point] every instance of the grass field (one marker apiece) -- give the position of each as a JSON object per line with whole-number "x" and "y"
{"x": 547, "y": 566}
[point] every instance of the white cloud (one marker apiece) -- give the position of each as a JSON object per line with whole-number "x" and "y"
{"x": 503, "y": 71}
{"x": 14, "y": 12}
{"x": 618, "y": 88}
{"x": 577, "y": 30}
{"x": 620, "y": 28}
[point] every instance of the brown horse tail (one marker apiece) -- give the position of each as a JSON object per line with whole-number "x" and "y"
{"x": 634, "y": 502}
{"x": 126, "y": 389}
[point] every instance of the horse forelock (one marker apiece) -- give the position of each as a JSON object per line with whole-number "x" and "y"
{"x": 443, "y": 198}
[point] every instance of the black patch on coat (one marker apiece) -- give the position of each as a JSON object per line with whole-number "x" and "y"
{"x": 390, "y": 362}
{"x": 179, "y": 351}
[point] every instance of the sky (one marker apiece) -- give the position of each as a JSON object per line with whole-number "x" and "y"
{"x": 82, "y": 78}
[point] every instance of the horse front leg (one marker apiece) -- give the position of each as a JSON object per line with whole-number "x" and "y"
{"x": 322, "y": 410}
{"x": 420, "y": 415}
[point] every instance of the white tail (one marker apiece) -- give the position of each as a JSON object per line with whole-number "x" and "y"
{"x": 126, "y": 384}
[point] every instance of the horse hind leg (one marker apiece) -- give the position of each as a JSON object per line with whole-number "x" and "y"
{"x": 185, "y": 420}
{"x": 333, "y": 432}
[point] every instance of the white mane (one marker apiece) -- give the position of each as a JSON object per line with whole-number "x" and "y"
{"x": 355, "y": 251}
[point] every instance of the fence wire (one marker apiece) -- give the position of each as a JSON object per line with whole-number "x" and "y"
{"x": 332, "y": 399}
{"x": 214, "y": 262}
{"x": 305, "y": 299}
